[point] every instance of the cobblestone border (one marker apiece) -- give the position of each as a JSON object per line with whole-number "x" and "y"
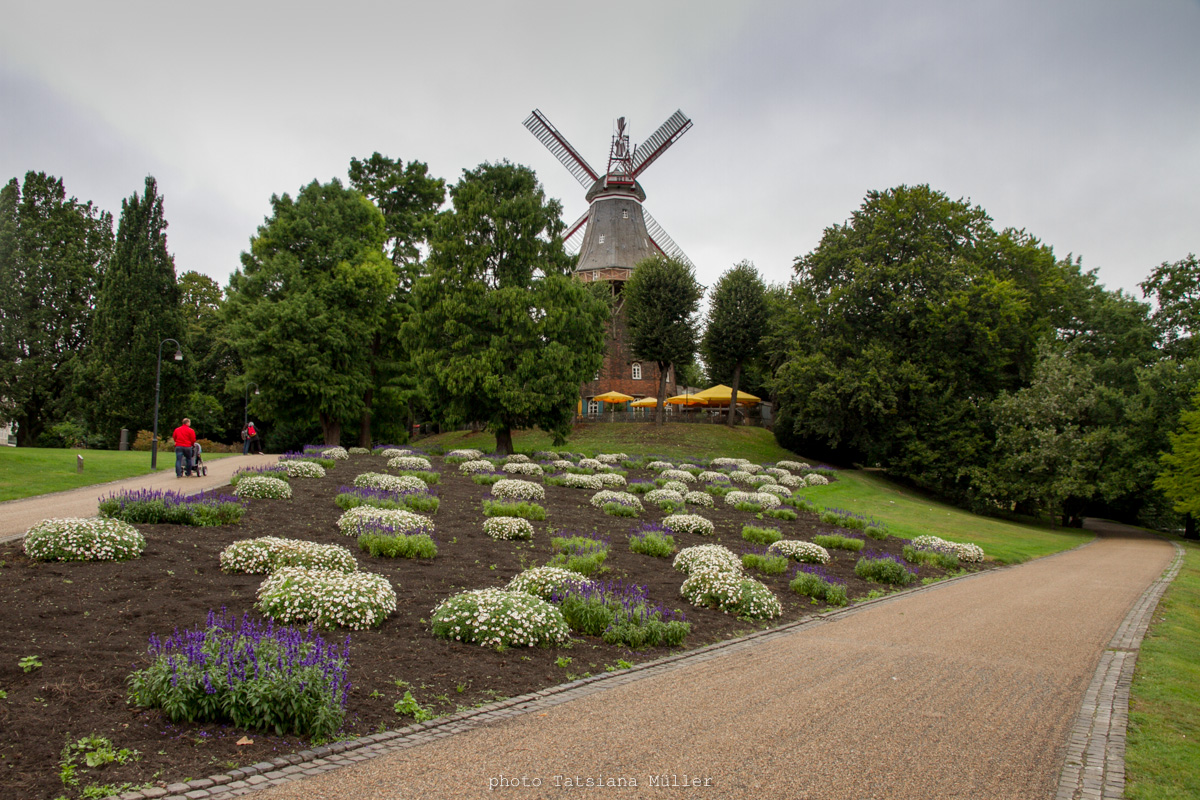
{"x": 1095, "y": 764}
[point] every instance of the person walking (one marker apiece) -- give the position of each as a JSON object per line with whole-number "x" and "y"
{"x": 184, "y": 437}
{"x": 254, "y": 443}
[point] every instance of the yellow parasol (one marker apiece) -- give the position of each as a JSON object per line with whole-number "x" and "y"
{"x": 687, "y": 400}
{"x": 719, "y": 396}
{"x": 645, "y": 402}
{"x": 613, "y": 397}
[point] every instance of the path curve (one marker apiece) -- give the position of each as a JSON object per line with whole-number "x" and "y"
{"x": 16, "y": 516}
{"x": 966, "y": 689}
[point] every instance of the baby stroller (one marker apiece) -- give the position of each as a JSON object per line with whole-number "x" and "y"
{"x": 198, "y": 466}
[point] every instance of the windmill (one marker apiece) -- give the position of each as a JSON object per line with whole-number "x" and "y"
{"x": 616, "y": 232}
{"x": 612, "y": 236}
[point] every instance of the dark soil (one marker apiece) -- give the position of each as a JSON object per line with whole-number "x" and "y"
{"x": 89, "y": 623}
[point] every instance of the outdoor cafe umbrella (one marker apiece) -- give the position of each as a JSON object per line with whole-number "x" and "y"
{"x": 719, "y": 396}
{"x": 687, "y": 400}
{"x": 645, "y": 402}
{"x": 613, "y": 397}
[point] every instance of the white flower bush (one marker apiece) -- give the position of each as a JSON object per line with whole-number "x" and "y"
{"x": 522, "y": 468}
{"x": 469, "y": 453}
{"x": 591, "y": 463}
{"x": 624, "y": 498}
{"x": 499, "y": 618}
{"x": 766, "y": 500}
{"x": 747, "y": 466}
{"x": 725, "y": 463}
{"x": 508, "y": 528}
{"x": 677, "y": 475}
{"x": 731, "y": 593}
{"x": 687, "y": 466}
{"x": 561, "y": 464}
{"x": 762, "y": 480}
{"x": 359, "y": 451}
{"x": 813, "y": 479}
{"x": 704, "y": 557}
{"x": 583, "y": 481}
{"x": 362, "y": 518}
{"x": 83, "y": 539}
{"x": 476, "y": 467}
{"x": 776, "y": 472}
{"x": 967, "y": 552}
{"x": 708, "y": 476}
{"x": 392, "y": 452}
{"x": 807, "y": 552}
{"x": 543, "y": 582}
{"x": 269, "y": 553}
{"x": 775, "y": 489}
{"x": 263, "y": 487}
{"x": 303, "y": 469}
{"x": 355, "y": 600}
{"x": 516, "y": 458}
{"x": 612, "y": 458}
{"x": 740, "y": 476}
{"x": 792, "y": 481}
{"x": 664, "y": 496}
{"x": 702, "y": 499}
{"x": 515, "y": 489}
{"x": 793, "y": 466}
{"x": 336, "y": 453}
{"x": 414, "y": 463}
{"x": 609, "y": 479}
{"x": 689, "y": 523}
{"x": 675, "y": 486}
{"x": 659, "y": 466}
{"x": 390, "y": 483}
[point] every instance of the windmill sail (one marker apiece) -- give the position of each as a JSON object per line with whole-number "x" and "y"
{"x": 573, "y": 235}
{"x": 548, "y": 135}
{"x": 667, "y": 134}
{"x": 665, "y": 244}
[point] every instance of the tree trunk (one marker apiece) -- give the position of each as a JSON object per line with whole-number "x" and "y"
{"x": 331, "y": 429}
{"x": 660, "y": 410}
{"x": 737, "y": 375}
{"x": 1189, "y": 527}
{"x": 364, "y": 425}
{"x": 504, "y": 445}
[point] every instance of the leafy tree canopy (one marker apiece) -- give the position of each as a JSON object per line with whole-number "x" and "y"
{"x": 737, "y": 324}
{"x": 1180, "y": 477}
{"x": 1175, "y": 287}
{"x": 408, "y": 197}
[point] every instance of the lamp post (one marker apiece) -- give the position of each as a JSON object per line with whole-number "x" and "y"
{"x": 157, "y": 379}
{"x": 246, "y": 408}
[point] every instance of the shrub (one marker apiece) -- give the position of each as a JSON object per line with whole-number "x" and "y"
{"x": 263, "y": 487}
{"x": 543, "y": 582}
{"x": 581, "y": 553}
{"x": 621, "y": 615}
{"x": 640, "y": 487}
{"x": 779, "y": 491}
{"x": 620, "y": 508}
{"x": 683, "y": 476}
{"x": 689, "y": 523}
{"x": 665, "y": 497}
{"x": 475, "y": 466}
{"x": 883, "y": 568}
{"x": 591, "y": 463}
{"x": 326, "y": 598}
{"x": 702, "y": 499}
{"x": 465, "y": 453}
{"x": 388, "y": 451}
{"x": 499, "y": 618}
{"x": 791, "y": 481}
{"x": 390, "y": 483}
{"x": 315, "y": 458}
{"x": 155, "y": 507}
{"x": 814, "y": 582}
{"x": 274, "y": 470}
{"x": 357, "y": 520}
{"x": 678, "y": 487}
{"x": 792, "y": 466}
{"x": 359, "y": 451}
{"x": 352, "y": 496}
{"x": 801, "y": 551}
{"x": 740, "y": 476}
{"x": 520, "y": 468}
{"x": 780, "y": 513}
{"x": 765, "y": 563}
{"x": 582, "y": 481}
{"x": 732, "y": 593}
{"x": 762, "y": 480}
{"x": 224, "y": 672}
{"x": 397, "y": 545}
{"x": 516, "y": 458}
{"x": 610, "y": 479}
{"x": 753, "y": 533}
{"x": 937, "y": 558}
{"x": 428, "y": 478}
{"x": 330, "y": 451}
{"x": 835, "y": 541}
{"x": 966, "y": 552}
{"x": 303, "y": 469}
{"x": 415, "y": 463}
{"x": 652, "y": 540}
{"x": 506, "y": 528}
{"x": 612, "y": 458}
{"x": 813, "y": 479}
{"x": 876, "y": 531}
{"x": 500, "y": 508}
{"x": 83, "y": 539}
{"x": 604, "y": 497}
{"x": 703, "y": 557}
{"x": 659, "y": 466}
{"x": 513, "y": 489}
{"x": 269, "y": 553}
{"x": 488, "y": 478}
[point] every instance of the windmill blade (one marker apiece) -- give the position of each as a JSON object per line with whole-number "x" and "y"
{"x": 668, "y": 133}
{"x": 557, "y": 144}
{"x": 573, "y": 236}
{"x": 665, "y": 244}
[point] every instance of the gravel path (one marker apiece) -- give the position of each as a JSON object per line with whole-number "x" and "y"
{"x": 964, "y": 690}
{"x": 16, "y": 516}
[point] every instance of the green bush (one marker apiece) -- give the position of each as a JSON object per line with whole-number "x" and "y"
{"x": 876, "y": 532}
{"x": 780, "y": 513}
{"x": 819, "y": 586}
{"x": 488, "y": 479}
{"x": 652, "y": 543}
{"x": 522, "y": 508}
{"x": 835, "y": 541}
{"x": 936, "y": 558}
{"x": 620, "y": 510}
{"x": 417, "y": 545}
{"x": 752, "y": 533}
{"x": 883, "y": 569}
{"x": 580, "y": 554}
{"x": 767, "y": 564}
{"x": 430, "y": 478}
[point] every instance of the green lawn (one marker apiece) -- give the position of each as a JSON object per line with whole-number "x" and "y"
{"x": 905, "y": 512}
{"x": 1162, "y": 755}
{"x": 30, "y": 471}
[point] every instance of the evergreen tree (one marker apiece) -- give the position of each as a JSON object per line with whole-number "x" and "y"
{"x": 503, "y": 334}
{"x": 737, "y": 323}
{"x": 136, "y": 310}
{"x": 661, "y": 301}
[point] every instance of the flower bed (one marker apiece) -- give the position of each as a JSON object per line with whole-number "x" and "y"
{"x": 689, "y": 523}
{"x": 508, "y": 528}
{"x": 361, "y": 518}
{"x": 414, "y": 463}
{"x": 83, "y": 539}
{"x": 155, "y": 507}
{"x": 303, "y": 469}
{"x": 326, "y": 598}
{"x": 801, "y": 551}
{"x": 514, "y": 489}
{"x": 390, "y": 483}
{"x": 269, "y": 553}
{"x": 263, "y": 487}
{"x": 499, "y": 618}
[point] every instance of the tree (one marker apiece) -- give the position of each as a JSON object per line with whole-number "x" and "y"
{"x": 136, "y": 309}
{"x": 661, "y": 300}
{"x": 1180, "y": 476}
{"x": 737, "y": 323}
{"x": 503, "y": 334}
{"x": 215, "y": 407}
{"x": 53, "y": 252}
{"x": 1175, "y": 288}
{"x": 305, "y": 308}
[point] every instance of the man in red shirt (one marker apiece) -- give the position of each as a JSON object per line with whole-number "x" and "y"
{"x": 185, "y": 437}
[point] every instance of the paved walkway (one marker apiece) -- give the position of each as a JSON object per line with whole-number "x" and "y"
{"x": 974, "y": 688}
{"x": 16, "y": 516}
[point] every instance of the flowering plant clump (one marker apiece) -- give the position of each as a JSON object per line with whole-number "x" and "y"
{"x": 475, "y": 466}
{"x": 562, "y": 463}
{"x": 741, "y": 476}
{"x": 652, "y": 539}
{"x": 393, "y": 452}
{"x": 883, "y": 568}
{"x": 269, "y": 553}
{"x": 734, "y": 498}
{"x": 327, "y": 451}
{"x": 514, "y": 489}
{"x": 659, "y": 466}
{"x": 591, "y": 463}
{"x": 419, "y": 500}
{"x": 83, "y": 539}
{"x": 813, "y": 479}
{"x": 612, "y": 458}
{"x": 609, "y": 479}
{"x": 776, "y": 472}
{"x": 326, "y": 598}
{"x": 708, "y": 476}
{"x": 836, "y": 541}
{"x": 677, "y": 475}
{"x": 274, "y": 470}
{"x": 792, "y": 481}
{"x": 584, "y": 553}
{"x": 154, "y": 506}
{"x": 390, "y": 483}
{"x": 792, "y": 466}
{"x": 674, "y": 486}
{"x": 689, "y": 523}
{"x": 517, "y": 458}
{"x": 664, "y": 496}
{"x": 766, "y": 500}
{"x": 411, "y": 463}
{"x": 303, "y": 469}
{"x": 508, "y": 528}
{"x": 801, "y": 551}
{"x": 812, "y": 581}
{"x": 360, "y": 518}
{"x": 224, "y": 671}
{"x": 499, "y": 618}
{"x": 762, "y": 480}
{"x": 702, "y": 499}
{"x": 522, "y": 468}
{"x": 707, "y": 557}
{"x": 379, "y": 540}
{"x": 263, "y": 487}
{"x": 777, "y": 490}
{"x": 543, "y": 582}
{"x": 359, "y": 451}
{"x": 467, "y": 453}
{"x": 731, "y": 592}
{"x": 582, "y": 481}
{"x": 970, "y": 553}
{"x": 621, "y": 614}
{"x": 606, "y": 496}
{"x": 725, "y": 463}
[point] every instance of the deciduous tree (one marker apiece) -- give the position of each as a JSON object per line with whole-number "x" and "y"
{"x": 1180, "y": 476}
{"x": 737, "y": 323}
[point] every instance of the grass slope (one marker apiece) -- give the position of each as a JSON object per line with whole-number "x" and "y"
{"x": 30, "y": 471}
{"x": 905, "y": 512}
{"x": 1162, "y": 754}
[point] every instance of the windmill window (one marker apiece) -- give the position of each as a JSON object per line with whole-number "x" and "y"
{"x": 637, "y": 371}
{"x": 602, "y": 238}
{"x": 625, "y": 213}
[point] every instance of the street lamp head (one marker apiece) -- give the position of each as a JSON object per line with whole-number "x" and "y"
{"x": 179, "y": 355}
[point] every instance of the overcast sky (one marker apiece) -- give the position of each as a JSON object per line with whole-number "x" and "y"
{"x": 1078, "y": 121}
